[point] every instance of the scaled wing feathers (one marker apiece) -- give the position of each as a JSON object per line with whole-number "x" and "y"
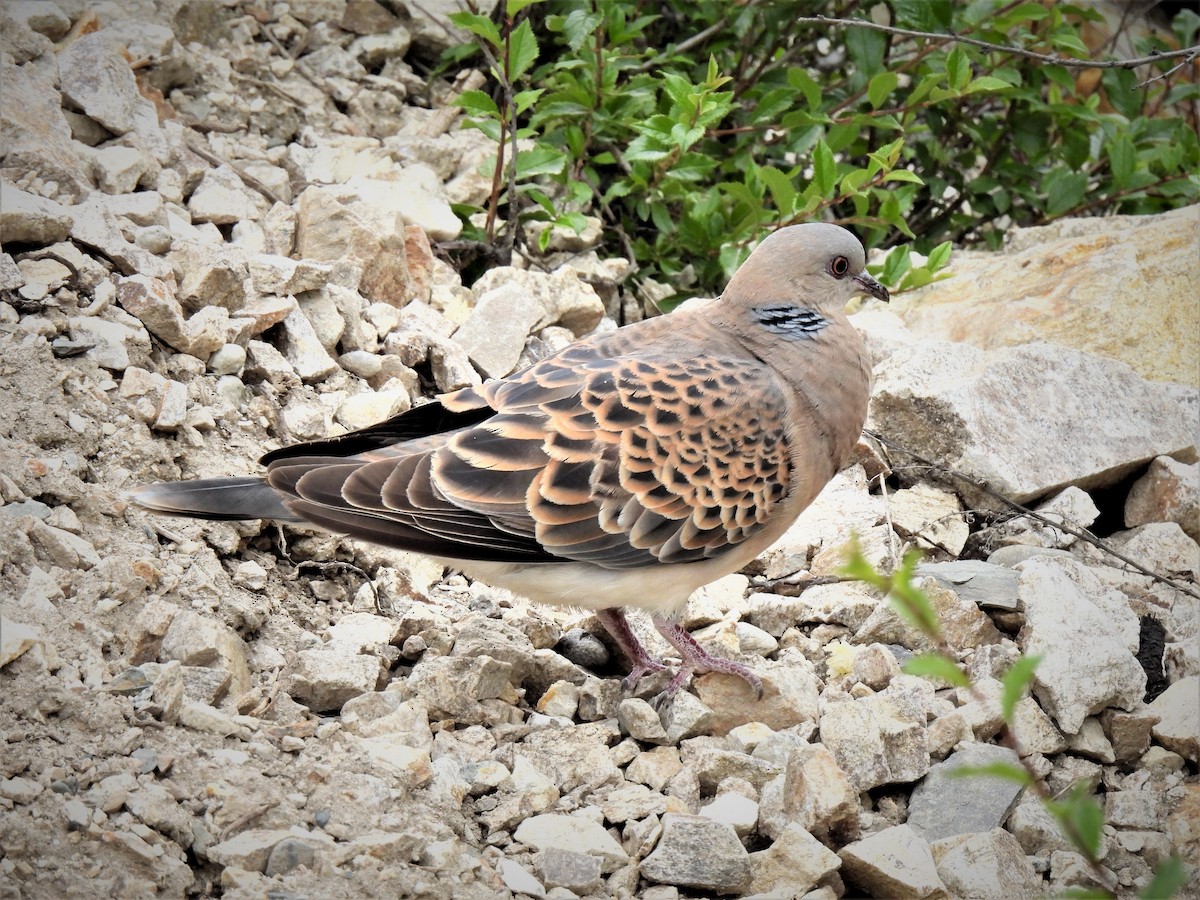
{"x": 592, "y": 456}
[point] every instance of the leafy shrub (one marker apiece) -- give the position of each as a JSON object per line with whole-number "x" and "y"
{"x": 693, "y": 127}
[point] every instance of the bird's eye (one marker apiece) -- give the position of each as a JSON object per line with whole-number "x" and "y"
{"x": 839, "y": 266}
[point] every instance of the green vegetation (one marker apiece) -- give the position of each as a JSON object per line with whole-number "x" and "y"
{"x": 691, "y": 127}
{"x": 1078, "y": 814}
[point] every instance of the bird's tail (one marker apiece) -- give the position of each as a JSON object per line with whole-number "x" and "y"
{"x": 246, "y": 497}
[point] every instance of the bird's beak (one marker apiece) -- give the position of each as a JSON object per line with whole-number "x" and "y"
{"x": 871, "y": 286}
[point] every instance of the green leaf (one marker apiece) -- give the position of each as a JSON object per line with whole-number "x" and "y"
{"x": 800, "y": 79}
{"x": 540, "y": 160}
{"x": 577, "y": 26}
{"x": 512, "y": 7}
{"x": 986, "y": 83}
{"x": 478, "y": 25}
{"x": 857, "y": 567}
{"x": 1081, "y": 819}
{"x": 1170, "y": 877}
{"x": 824, "y": 168}
{"x": 1015, "y": 681}
{"x": 903, "y": 175}
{"x": 783, "y": 192}
{"x": 866, "y": 48}
{"x": 1064, "y": 190}
{"x": 923, "y": 15}
{"x": 522, "y": 50}
{"x": 937, "y": 666}
{"x": 939, "y": 256}
{"x": 880, "y": 87}
{"x": 522, "y": 100}
{"x": 958, "y": 68}
{"x": 478, "y": 103}
{"x": 1008, "y": 771}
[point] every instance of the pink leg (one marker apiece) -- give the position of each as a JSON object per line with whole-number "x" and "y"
{"x": 697, "y": 659}
{"x": 617, "y": 625}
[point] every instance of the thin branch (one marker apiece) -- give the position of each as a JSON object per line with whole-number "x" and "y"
{"x": 1162, "y": 76}
{"x": 1082, "y": 534}
{"x": 1051, "y": 58}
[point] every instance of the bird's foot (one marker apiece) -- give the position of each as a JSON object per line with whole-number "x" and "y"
{"x": 643, "y": 663}
{"x": 697, "y": 659}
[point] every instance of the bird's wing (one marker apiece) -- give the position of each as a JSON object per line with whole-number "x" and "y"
{"x": 621, "y": 460}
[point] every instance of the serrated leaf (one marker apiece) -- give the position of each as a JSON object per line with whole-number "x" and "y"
{"x": 522, "y": 50}
{"x": 783, "y": 192}
{"x": 478, "y": 25}
{"x": 1015, "y": 681}
{"x": 880, "y": 87}
{"x": 1064, "y": 190}
{"x": 577, "y": 26}
{"x": 477, "y": 102}
{"x": 1008, "y": 771}
{"x": 824, "y": 168}
{"x": 540, "y": 160}
{"x": 937, "y": 666}
{"x": 958, "y": 68}
{"x": 1170, "y": 877}
{"x": 903, "y": 175}
{"x": 522, "y": 100}
{"x": 923, "y": 15}
{"x": 939, "y": 256}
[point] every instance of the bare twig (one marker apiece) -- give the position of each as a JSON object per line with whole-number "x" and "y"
{"x": 1050, "y": 58}
{"x": 1162, "y": 76}
{"x": 1082, "y": 534}
{"x": 250, "y": 181}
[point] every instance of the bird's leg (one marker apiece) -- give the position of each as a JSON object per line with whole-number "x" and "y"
{"x": 618, "y": 626}
{"x": 697, "y": 659}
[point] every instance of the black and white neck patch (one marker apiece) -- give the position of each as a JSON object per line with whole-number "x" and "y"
{"x": 789, "y": 320}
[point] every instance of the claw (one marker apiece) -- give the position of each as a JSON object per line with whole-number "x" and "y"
{"x": 697, "y": 659}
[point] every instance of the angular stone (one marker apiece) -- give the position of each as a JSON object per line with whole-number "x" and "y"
{"x": 789, "y": 696}
{"x": 324, "y": 678}
{"x": 222, "y": 198}
{"x": 894, "y": 863}
{"x": 495, "y": 331}
{"x": 795, "y": 863}
{"x": 303, "y": 350}
{"x": 987, "y": 585}
{"x": 987, "y": 866}
{"x": 818, "y": 796}
{"x": 930, "y": 516}
{"x": 879, "y": 739}
{"x": 1168, "y": 492}
{"x": 699, "y": 853}
{"x": 571, "y": 869}
{"x": 1086, "y": 664}
{"x": 944, "y": 805}
{"x": 574, "y": 833}
{"x": 951, "y": 401}
{"x": 963, "y": 624}
{"x": 1105, "y": 285}
{"x": 1178, "y": 728}
{"x": 565, "y": 299}
{"x": 29, "y": 219}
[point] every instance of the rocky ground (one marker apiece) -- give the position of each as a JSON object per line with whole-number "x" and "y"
{"x": 203, "y": 260}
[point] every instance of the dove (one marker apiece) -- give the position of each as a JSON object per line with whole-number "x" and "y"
{"x": 625, "y": 471}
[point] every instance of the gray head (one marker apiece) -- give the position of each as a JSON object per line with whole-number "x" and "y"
{"x": 816, "y": 265}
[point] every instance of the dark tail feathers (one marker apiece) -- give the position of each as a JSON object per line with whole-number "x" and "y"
{"x": 247, "y": 497}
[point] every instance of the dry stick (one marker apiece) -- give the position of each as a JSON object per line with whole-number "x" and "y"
{"x": 1051, "y": 58}
{"x": 1026, "y": 511}
{"x": 249, "y": 180}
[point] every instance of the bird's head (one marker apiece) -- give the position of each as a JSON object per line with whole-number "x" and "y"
{"x": 816, "y": 266}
